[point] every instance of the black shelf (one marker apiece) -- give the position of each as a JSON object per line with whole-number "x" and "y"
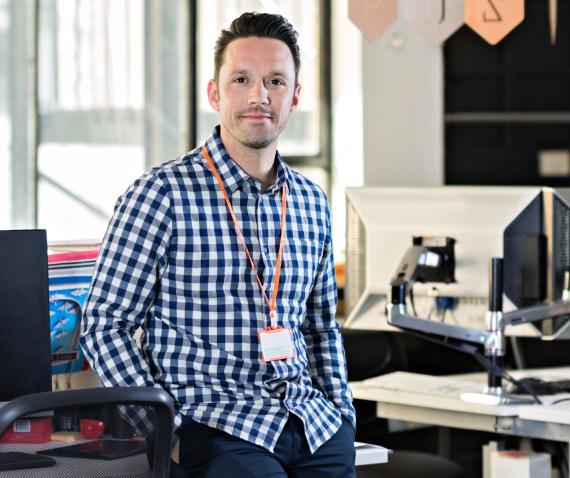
{"x": 505, "y": 103}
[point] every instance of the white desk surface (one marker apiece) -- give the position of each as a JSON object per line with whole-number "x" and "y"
{"x": 555, "y": 413}
{"x": 375, "y": 391}
{"x": 371, "y": 390}
{"x": 545, "y": 422}
{"x": 534, "y": 420}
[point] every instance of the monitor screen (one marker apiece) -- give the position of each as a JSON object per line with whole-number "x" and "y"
{"x": 25, "y": 352}
{"x": 526, "y": 226}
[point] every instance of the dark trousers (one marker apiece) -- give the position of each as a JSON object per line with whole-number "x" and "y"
{"x": 209, "y": 453}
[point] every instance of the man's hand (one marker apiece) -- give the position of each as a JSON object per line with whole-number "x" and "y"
{"x": 176, "y": 452}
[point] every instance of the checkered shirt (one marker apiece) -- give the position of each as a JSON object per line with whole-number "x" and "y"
{"x": 172, "y": 265}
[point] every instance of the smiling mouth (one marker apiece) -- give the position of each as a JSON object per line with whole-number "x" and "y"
{"x": 257, "y": 115}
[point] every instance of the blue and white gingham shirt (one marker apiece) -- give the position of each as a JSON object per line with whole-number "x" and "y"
{"x": 172, "y": 263}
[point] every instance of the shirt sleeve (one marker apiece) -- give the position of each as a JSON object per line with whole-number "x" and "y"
{"x": 323, "y": 338}
{"x": 124, "y": 285}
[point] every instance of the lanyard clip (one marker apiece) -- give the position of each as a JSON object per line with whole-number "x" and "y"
{"x": 273, "y": 317}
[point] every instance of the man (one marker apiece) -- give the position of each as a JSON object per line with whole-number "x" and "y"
{"x": 223, "y": 257}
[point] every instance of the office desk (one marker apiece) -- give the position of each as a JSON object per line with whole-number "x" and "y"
{"x": 135, "y": 466}
{"x": 127, "y": 467}
{"x": 503, "y": 419}
{"x": 124, "y": 467}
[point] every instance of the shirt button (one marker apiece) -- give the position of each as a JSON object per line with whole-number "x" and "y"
{"x": 266, "y": 250}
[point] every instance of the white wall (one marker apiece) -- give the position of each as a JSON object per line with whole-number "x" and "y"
{"x": 387, "y": 112}
{"x": 403, "y": 110}
{"x": 347, "y": 118}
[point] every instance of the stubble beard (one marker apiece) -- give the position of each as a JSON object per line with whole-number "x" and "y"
{"x": 259, "y": 144}
{"x": 256, "y": 139}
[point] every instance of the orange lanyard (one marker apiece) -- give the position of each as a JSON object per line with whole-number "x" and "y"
{"x": 271, "y": 304}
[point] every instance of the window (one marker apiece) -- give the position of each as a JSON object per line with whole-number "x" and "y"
{"x": 5, "y": 121}
{"x": 102, "y": 97}
{"x": 90, "y": 106}
{"x": 108, "y": 90}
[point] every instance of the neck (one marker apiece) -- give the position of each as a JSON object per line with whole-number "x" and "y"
{"x": 257, "y": 163}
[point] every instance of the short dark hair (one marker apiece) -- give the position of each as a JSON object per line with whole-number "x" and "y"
{"x": 262, "y": 25}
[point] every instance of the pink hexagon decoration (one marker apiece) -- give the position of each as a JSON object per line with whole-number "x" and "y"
{"x": 493, "y": 19}
{"x": 373, "y": 17}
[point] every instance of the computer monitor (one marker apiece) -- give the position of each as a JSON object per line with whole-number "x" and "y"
{"x": 528, "y": 227}
{"x": 25, "y": 352}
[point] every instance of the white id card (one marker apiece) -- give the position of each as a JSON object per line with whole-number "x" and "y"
{"x": 276, "y": 344}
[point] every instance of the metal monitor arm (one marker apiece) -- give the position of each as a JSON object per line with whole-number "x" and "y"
{"x": 493, "y": 340}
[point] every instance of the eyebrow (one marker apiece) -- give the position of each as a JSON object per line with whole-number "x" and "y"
{"x": 272, "y": 73}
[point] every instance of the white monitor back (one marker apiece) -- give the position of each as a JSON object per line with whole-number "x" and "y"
{"x": 381, "y": 222}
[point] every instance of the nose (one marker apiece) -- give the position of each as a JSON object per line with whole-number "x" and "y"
{"x": 258, "y": 94}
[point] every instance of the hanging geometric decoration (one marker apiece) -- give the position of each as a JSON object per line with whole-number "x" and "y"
{"x": 552, "y": 19}
{"x": 373, "y": 17}
{"x": 436, "y": 20}
{"x": 493, "y": 19}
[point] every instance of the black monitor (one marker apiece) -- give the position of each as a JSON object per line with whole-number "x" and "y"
{"x": 536, "y": 252}
{"x": 25, "y": 355}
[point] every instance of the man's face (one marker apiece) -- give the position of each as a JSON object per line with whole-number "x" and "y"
{"x": 255, "y": 92}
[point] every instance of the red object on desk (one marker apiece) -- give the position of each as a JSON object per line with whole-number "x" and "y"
{"x": 28, "y": 430}
{"x": 91, "y": 428}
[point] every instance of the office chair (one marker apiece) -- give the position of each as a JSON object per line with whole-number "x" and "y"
{"x": 373, "y": 353}
{"x": 89, "y": 433}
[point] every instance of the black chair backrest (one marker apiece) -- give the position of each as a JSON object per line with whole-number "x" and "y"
{"x": 96, "y": 432}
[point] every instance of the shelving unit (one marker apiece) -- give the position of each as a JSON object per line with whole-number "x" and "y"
{"x": 506, "y": 103}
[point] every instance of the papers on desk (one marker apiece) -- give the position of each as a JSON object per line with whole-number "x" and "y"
{"x": 367, "y": 454}
{"x": 440, "y": 392}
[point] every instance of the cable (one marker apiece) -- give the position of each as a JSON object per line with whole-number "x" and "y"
{"x": 491, "y": 367}
{"x": 560, "y": 400}
{"x": 412, "y": 302}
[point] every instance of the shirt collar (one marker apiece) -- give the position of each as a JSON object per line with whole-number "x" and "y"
{"x": 232, "y": 175}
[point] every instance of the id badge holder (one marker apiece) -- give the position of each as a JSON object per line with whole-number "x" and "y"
{"x": 276, "y": 343}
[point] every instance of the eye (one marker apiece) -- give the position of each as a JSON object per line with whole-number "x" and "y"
{"x": 276, "y": 82}
{"x": 239, "y": 79}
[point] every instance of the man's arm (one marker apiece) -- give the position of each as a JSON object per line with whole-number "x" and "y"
{"x": 124, "y": 285}
{"x": 322, "y": 336}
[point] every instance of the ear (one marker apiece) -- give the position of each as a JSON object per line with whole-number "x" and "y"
{"x": 213, "y": 96}
{"x": 295, "y": 100}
